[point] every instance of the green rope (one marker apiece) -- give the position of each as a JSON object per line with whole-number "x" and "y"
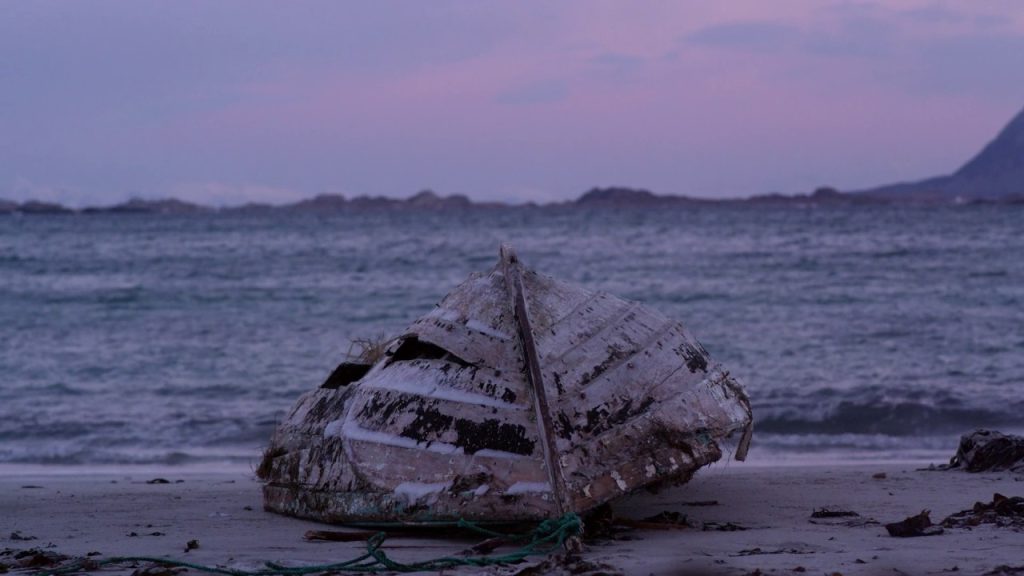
{"x": 547, "y": 537}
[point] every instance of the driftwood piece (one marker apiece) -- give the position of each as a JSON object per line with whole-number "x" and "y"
{"x": 918, "y": 525}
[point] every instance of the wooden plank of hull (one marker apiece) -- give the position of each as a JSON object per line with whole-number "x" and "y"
{"x": 501, "y": 381}
{"x": 321, "y": 482}
{"x": 356, "y": 506}
{"x": 666, "y": 443}
{"x": 419, "y": 403}
{"x": 470, "y": 346}
{"x": 479, "y": 303}
{"x": 452, "y": 486}
{"x": 388, "y": 466}
{"x": 473, "y": 386}
{"x": 634, "y": 382}
{"x": 330, "y": 476}
{"x": 624, "y": 374}
{"x": 473, "y": 323}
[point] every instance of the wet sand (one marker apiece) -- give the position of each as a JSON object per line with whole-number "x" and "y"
{"x": 761, "y": 521}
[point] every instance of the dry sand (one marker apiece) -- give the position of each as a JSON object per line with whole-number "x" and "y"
{"x": 115, "y": 512}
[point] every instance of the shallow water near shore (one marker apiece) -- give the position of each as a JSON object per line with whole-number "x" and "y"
{"x": 860, "y": 332}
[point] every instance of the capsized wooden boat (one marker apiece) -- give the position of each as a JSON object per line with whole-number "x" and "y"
{"x": 520, "y": 397}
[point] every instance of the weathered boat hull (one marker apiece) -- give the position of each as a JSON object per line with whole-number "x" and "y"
{"x": 518, "y": 398}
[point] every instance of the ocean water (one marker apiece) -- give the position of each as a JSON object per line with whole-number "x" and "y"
{"x": 859, "y": 332}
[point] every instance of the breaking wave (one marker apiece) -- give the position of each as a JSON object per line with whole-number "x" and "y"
{"x": 895, "y": 419}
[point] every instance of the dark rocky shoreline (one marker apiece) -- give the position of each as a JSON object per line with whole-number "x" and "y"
{"x": 597, "y": 198}
{"x": 994, "y": 176}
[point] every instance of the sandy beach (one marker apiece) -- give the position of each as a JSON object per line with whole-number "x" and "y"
{"x": 742, "y": 519}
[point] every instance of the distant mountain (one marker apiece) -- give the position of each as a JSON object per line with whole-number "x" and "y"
{"x": 429, "y": 199}
{"x": 597, "y": 198}
{"x": 423, "y": 200}
{"x": 824, "y": 195}
{"x": 616, "y": 195}
{"x": 323, "y": 203}
{"x": 319, "y": 203}
{"x": 624, "y": 196}
{"x": 37, "y": 207}
{"x": 994, "y": 174}
{"x": 141, "y": 206}
{"x": 621, "y": 195}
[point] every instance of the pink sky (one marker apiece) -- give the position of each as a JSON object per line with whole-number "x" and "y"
{"x": 235, "y": 101}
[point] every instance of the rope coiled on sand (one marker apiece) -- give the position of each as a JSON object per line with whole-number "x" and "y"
{"x": 547, "y": 537}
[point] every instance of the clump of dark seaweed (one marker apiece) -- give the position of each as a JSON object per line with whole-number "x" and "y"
{"x": 1002, "y": 511}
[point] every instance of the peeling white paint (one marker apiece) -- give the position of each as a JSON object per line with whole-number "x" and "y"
{"x": 485, "y": 329}
{"x": 527, "y": 487}
{"x": 410, "y": 380}
{"x": 443, "y": 314}
{"x": 353, "y": 431}
{"x": 618, "y": 480}
{"x": 489, "y": 453}
{"x": 414, "y": 492}
{"x": 334, "y": 427}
